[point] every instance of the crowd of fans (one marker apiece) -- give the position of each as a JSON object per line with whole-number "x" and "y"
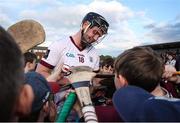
{"x": 172, "y": 59}
{"x": 139, "y": 72}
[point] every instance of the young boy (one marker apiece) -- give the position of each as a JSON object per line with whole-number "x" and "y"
{"x": 143, "y": 68}
{"x": 30, "y": 61}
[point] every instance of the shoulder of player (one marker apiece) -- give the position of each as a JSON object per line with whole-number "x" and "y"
{"x": 62, "y": 40}
{"x": 60, "y": 43}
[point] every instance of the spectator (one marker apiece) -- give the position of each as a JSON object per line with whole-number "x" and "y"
{"x": 30, "y": 61}
{"x": 171, "y": 81}
{"x": 171, "y": 59}
{"x": 104, "y": 87}
{"x": 43, "y": 108}
{"x": 136, "y": 104}
{"x": 107, "y": 66}
{"x": 140, "y": 67}
{"x": 16, "y": 97}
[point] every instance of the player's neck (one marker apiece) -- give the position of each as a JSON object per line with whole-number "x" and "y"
{"x": 77, "y": 39}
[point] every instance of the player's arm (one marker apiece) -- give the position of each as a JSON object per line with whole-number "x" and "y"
{"x": 50, "y": 60}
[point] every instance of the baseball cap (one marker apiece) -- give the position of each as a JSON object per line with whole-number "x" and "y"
{"x": 40, "y": 88}
{"x": 135, "y": 104}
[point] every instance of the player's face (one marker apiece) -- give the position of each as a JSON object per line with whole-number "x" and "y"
{"x": 93, "y": 34}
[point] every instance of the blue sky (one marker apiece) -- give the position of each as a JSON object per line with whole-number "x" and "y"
{"x": 132, "y": 22}
{"x": 157, "y": 9}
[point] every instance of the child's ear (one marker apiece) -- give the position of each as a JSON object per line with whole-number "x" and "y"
{"x": 123, "y": 80}
{"x": 120, "y": 81}
{"x": 28, "y": 64}
{"x": 25, "y": 100}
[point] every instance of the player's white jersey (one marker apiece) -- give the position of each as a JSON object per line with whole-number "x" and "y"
{"x": 66, "y": 52}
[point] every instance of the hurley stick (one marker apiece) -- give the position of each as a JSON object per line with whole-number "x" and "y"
{"x": 80, "y": 79}
{"x": 27, "y": 34}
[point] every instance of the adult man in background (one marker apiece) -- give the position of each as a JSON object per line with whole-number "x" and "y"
{"x": 78, "y": 49}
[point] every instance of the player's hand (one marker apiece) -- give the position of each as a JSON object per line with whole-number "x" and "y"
{"x": 56, "y": 75}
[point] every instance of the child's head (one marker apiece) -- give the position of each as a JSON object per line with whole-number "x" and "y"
{"x": 16, "y": 97}
{"x": 138, "y": 66}
{"x": 107, "y": 65}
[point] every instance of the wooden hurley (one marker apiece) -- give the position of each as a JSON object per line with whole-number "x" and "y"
{"x": 83, "y": 94}
{"x": 80, "y": 80}
{"x": 27, "y": 34}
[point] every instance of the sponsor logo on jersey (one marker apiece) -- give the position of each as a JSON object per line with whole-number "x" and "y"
{"x": 70, "y": 55}
{"x": 91, "y": 59}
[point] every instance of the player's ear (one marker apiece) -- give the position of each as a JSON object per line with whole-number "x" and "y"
{"x": 24, "y": 102}
{"x": 85, "y": 24}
